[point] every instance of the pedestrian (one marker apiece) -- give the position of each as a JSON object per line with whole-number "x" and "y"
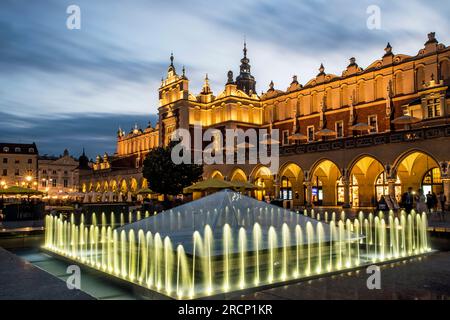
{"x": 408, "y": 200}
{"x": 441, "y": 203}
{"x": 429, "y": 200}
{"x": 421, "y": 202}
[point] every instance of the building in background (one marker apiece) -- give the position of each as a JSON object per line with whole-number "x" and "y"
{"x": 345, "y": 140}
{"x": 58, "y": 175}
{"x": 18, "y": 165}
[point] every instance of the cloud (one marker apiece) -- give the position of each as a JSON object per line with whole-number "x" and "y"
{"x": 114, "y": 64}
{"x": 95, "y": 132}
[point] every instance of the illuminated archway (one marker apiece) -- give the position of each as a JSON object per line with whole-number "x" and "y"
{"x": 133, "y": 185}
{"x": 217, "y": 175}
{"x": 105, "y": 186}
{"x": 412, "y": 167}
{"x": 324, "y": 175}
{"x": 98, "y": 187}
{"x": 238, "y": 175}
{"x": 83, "y": 188}
{"x": 113, "y": 185}
{"x": 144, "y": 183}
{"x": 123, "y": 187}
{"x": 363, "y": 177}
{"x": 291, "y": 183}
{"x": 263, "y": 178}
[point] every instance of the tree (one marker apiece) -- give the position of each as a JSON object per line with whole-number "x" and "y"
{"x": 164, "y": 176}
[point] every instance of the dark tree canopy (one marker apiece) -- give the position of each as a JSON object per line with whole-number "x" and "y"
{"x": 165, "y": 177}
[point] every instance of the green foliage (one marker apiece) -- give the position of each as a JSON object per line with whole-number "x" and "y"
{"x": 164, "y": 176}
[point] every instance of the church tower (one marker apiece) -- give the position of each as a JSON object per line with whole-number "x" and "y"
{"x": 245, "y": 81}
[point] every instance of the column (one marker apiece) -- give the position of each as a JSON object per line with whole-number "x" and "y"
{"x": 309, "y": 201}
{"x": 346, "y": 183}
{"x": 391, "y": 188}
{"x": 446, "y": 183}
{"x": 276, "y": 182}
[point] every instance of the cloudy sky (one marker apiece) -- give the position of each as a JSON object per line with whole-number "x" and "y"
{"x": 73, "y": 88}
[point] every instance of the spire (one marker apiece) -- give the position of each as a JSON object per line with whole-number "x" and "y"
{"x": 171, "y": 70}
{"x": 206, "y": 89}
{"x": 245, "y": 81}
{"x": 271, "y": 86}
{"x": 321, "y": 70}
{"x": 388, "y": 50}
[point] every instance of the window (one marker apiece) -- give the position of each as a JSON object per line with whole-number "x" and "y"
{"x": 54, "y": 171}
{"x": 372, "y": 121}
{"x": 17, "y": 161}
{"x": 5, "y": 149}
{"x": 44, "y": 183}
{"x": 340, "y": 129}
{"x": 17, "y": 150}
{"x": 53, "y": 183}
{"x": 31, "y": 150}
{"x": 433, "y": 108}
{"x": 285, "y": 139}
{"x": 5, "y": 160}
{"x": 30, "y": 161}
{"x": 66, "y": 183}
{"x": 310, "y": 133}
{"x": 17, "y": 172}
{"x": 286, "y": 189}
{"x": 5, "y": 172}
{"x": 65, "y": 172}
{"x": 44, "y": 171}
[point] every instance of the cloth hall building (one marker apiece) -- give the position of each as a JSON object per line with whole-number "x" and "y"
{"x": 345, "y": 140}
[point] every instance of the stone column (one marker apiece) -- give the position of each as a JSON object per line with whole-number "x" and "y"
{"x": 446, "y": 183}
{"x": 346, "y": 183}
{"x": 391, "y": 187}
{"x": 309, "y": 201}
{"x": 276, "y": 181}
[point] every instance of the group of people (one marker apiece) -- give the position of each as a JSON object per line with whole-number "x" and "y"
{"x": 428, "y": 203}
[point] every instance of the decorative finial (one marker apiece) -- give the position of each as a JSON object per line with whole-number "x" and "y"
{"x": 388, "y": 50}
{"x": 230, "y": 77}
{"x": 171, "y": 59}
{"x": 294, "y": 79}
{"x": 245, "y": 47}
{"x": 431, "y": 38}
{"x": 321, "y": 70}
{"x": 271, "y": 86}
{"x": 352, "y": 62}
{"x": 184, "y": 71}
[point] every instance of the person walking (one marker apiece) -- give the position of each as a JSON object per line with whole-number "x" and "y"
{"x": 441, "y": 203}
{"x": 408, "y": 200}
{"x": 421, "y": 202}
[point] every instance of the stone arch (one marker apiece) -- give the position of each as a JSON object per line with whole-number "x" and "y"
{"x": 216, "y": 174}
{"x": 238, "y": 175}
{"x": 113, "y": 185}
{"x": 134, "y": 185}
{"x": 412, "y": 165}
{"x": 123, "y": 187}
{"x": 291, "y": 176}
{"x": 263, "y": 178}
{"x": 323, "y": 177}
{"x": 363, "y": 174}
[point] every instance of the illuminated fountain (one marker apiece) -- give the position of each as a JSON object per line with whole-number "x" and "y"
{"x": 227, "y": 242}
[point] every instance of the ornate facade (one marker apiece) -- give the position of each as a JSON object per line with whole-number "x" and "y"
{"x": 370, "y": 154}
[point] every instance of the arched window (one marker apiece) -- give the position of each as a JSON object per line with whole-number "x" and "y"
{"x": 432, "y": 181}
{"x": 344, "y": 96}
